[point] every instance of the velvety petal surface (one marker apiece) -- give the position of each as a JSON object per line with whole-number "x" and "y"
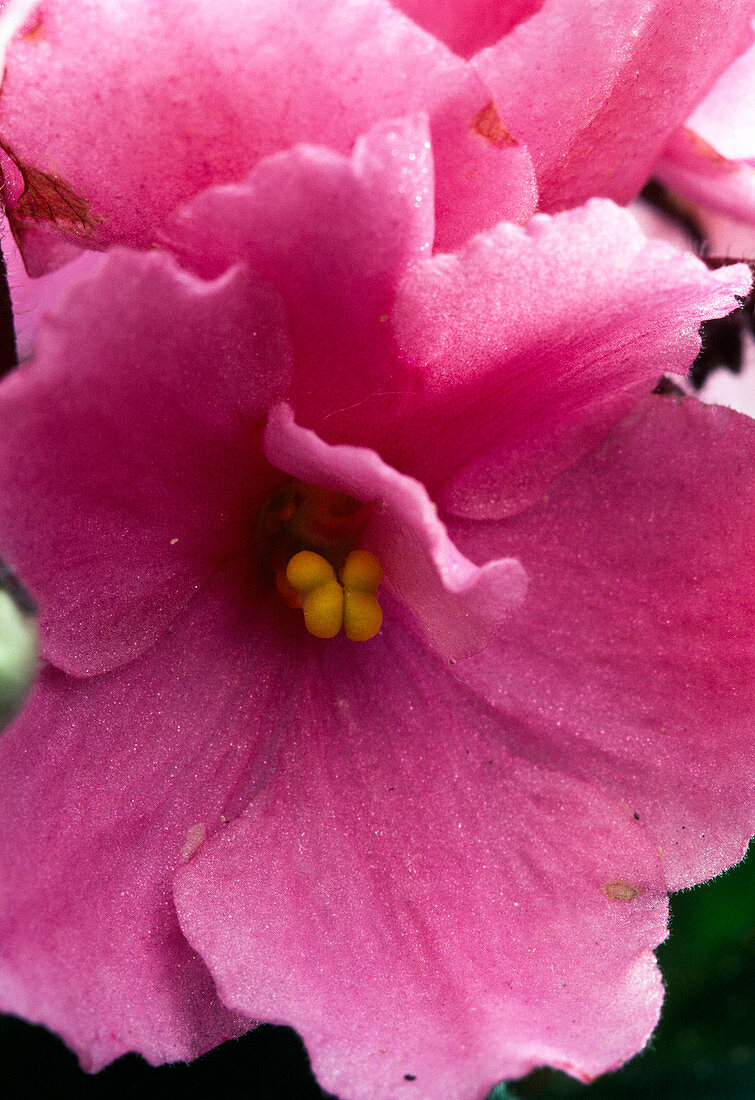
{"x": 421, "y": 905}
{"x": 335, "y": 235}
{"x": 458, "y": 606}
{"x": 636, "y": 640}
{"x": 117, "y": 112}
{"x": 33, "y": 298}
{"x": 125, "y": 479}
{"x": 595, "y": 88}
{"x": 695, "y": 169}
{"x": 468, "y": 25}
{"x": 109, "y": 784}
{"x": 530, "y": 343}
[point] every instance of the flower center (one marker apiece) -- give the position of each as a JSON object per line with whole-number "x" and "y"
{"x": 311, "y": 541}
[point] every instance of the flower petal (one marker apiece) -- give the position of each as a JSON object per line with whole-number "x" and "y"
{"x": 116, "y": 116}
{"x": 110, "y": 783}
{"x": 418, "y": 903}
{"x": 530, "y": 344}
{"x": 124, "y": 478}
{"x": 595, "y": 88}
{"x": 468, "y": 25}
{"x": 636, "y": 641}
{"x": 458, "y": 606}
{"x": 695, "y": 169}
{"x": 334, "y": 235}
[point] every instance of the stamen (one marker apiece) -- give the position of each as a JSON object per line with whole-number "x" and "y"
{"x": 328, "y": 606}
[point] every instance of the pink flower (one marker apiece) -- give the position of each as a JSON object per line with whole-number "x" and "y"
{"x": 443, "y": 853}
{"x": 112, "y": 120}
{"x": 711, "y": 159}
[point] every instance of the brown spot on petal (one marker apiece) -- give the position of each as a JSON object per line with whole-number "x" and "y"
{"x": 487, "y": 123}
{"x": 35, "y": 32}
{"x": 621, "y": 891}
{"x": 48, "y": 198}
{"x": 701, "y": 147}
{"x": 195, "y": 838}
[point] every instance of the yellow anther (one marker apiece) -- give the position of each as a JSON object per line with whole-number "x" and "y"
{"x": 362, "y": 615}
{"x": 307, "y": 571}
{"x": 362, "y": 571}
{"x": 328, "y": 605}
{"x": 323, "y": 609}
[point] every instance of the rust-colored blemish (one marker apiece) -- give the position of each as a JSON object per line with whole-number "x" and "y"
{"x": 621, "y": 891}
{"x": 35, "y": 32}
{"x": 48, "y": 198}
{"x": 487, "y": 123}
{"x": 701, "y": 147}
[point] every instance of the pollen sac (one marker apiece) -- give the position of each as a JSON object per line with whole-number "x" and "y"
{"x": 323, "y": 610}
{"x": 329, "y": 605}
{"x": 362, "y": 615}
{"x": 307, "y": 571}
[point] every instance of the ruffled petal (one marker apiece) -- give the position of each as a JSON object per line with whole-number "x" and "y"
{"x": 458, "y": 606}
{"x": 125, "y": 478}
{"x": 114, "y": 117}
{"x": 334, "y": 235}
{"x": 420, "y": 905}
{"x": 636, "y": 641}
{"x": 595, "y": 89}
{"x": 530, "y": 344}
{"x": 109, "y": 784}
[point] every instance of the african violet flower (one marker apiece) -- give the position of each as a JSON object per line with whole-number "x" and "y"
{"x": 113, "y": 113}
{"x": 441, "y": 854}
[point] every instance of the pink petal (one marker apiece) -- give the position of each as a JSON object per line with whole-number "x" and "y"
{"x": 33, "y": 298}
{"x": 725, "y": 117}
{"x": 595, "y": 88}
{"x": 458, "y": 606}
{"x": 636, "y": 641}
{"x": 530, "y": 344}
{"x": 125, "y": 479}
{"x": 334, "y": 235}
{"x": 417, "y": 902}
{"x": 468, "y": 25}
{"x": 115, "y": 121}
{"x": 693, "y": 168}
{"x": 109, "y": 785}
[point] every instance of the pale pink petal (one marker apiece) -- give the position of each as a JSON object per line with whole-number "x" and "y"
{"x": 130, "y": 450}
{"x": 115, "y": 118}
{"x": 458, "y": 606}
{"x": 725, "y": 117}
{"x": 468, "y": 25}
{"x": 694, "y": 168}
{"x": 33, "y": 298}
{"x": 109, "y": 786}
{"x": 636, "y": 645}
{"x": 334, "y": 235}
{"x": 419, "y": 904}
{"x": 529, "y": 344}
{"x": 595, "y": 88}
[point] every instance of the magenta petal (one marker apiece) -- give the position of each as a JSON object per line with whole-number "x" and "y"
{"x": 125, "y": 478}
{"x": 109, "y": 785}
{"x": 595, "y": 89}
{"x": 334, "y": 235}
{"x": 693, "y": 168}
{"x": 468, "y": 25}
{"x": 418, "y": 902}
{"x": 530, "y": 344}
{"x": 115, "y": 121}
{"x": 636, "y": 639}
{"x": 458, "y": 606}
